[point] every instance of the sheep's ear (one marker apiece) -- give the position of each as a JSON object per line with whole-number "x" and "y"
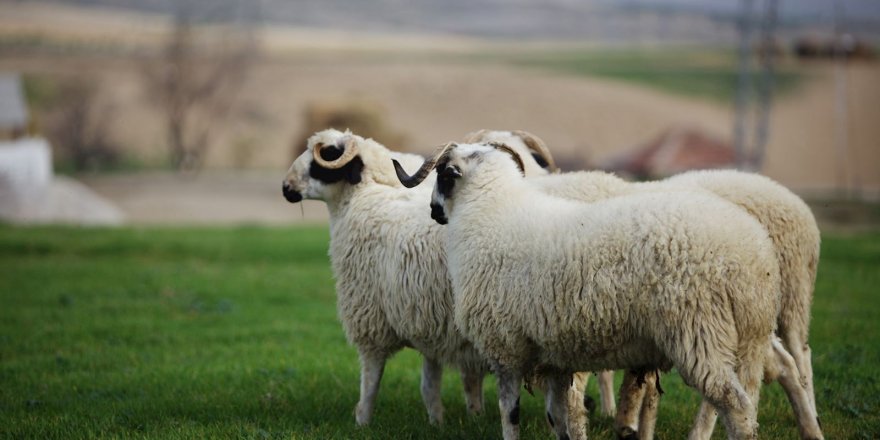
{"x": 354, "y": 170}
{"x": 540, "y": 160}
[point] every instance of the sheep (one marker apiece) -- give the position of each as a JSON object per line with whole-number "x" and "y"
{"x": 521, "y": 141}
{"x": 795, "y": 236}
{"x": 539, "y": 279}
{"x": 392, "y": 285}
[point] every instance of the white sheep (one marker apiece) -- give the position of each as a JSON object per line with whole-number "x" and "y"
{"x": 795, "y": 235}
{"x": 791, "y": 227}
{"x": 392, "y": 285}
{"x": 679, "y": 279}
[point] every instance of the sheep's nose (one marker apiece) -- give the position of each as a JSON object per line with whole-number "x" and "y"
{"x": 437, "y": 214}
{"x": 290, "y": 194}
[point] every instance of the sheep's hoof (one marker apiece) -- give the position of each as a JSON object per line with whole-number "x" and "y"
{"x": 627, "y": 433}
{"x": 589, "y": 404}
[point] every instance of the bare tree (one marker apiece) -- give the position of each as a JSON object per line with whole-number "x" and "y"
{"x": 78, "y": 125}
{"x": 195, "y": 82}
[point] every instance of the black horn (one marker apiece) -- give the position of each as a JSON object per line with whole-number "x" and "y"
{"x": 423, "y": 171}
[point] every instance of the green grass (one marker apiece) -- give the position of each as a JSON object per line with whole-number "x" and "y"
{"x": 703, "y": 73}
{"x": 232, "y": 333}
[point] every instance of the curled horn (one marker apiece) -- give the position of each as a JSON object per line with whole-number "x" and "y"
{"x": 347, "y": 155}
{"x": 476, "y": 136}
{"x": 513, "y": 154}
{"x": 538, "y": 146}
{"x": 429, "y": 164}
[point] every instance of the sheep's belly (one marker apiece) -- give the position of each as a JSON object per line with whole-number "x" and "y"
{"x": 633, "y": 354}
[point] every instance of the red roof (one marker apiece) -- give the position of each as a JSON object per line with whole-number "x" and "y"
{"x": 675, "y": 151}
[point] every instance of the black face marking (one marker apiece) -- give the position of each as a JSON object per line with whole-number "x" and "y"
{"x": 589, "y": 403}
{"x": 514, "y": 413}
{"x": 446, "y": 179}
{"x": 350, "y": 172}
{"x": 550, "y": 420}
{"x": 541, "y": 162}
{"x": 290, "y": 194}
{"x": 564, "y": 437}
{"x": 438, "y": 215}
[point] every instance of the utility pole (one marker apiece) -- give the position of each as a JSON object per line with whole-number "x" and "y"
{"x": 766, "y": 84}
{"x": 841, "y": 104}
{"x": 743, "y": 87}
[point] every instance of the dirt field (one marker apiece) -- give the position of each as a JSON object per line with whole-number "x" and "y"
{"x": 434, "y": 99}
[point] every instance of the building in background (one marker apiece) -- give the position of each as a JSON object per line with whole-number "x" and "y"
{"x": 29, "y": 192}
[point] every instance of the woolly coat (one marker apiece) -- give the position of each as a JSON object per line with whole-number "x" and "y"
{"x": 647, "y": 279}
{"x": 787, "y": 219}
{"x": 388, "y": 260}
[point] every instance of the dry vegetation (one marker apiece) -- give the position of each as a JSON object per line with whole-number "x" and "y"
{"x": 586, "y": 102}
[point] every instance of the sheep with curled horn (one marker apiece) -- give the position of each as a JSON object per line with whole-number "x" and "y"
{"x": 795, "y": 235}
{"x": 392, "y": 284}
{"x": 541, "y": 280}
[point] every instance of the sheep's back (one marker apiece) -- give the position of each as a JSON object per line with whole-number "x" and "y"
{"x": 595, "y": 278}
{"x": 790, "y": 225}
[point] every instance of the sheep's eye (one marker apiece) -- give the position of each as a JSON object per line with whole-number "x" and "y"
{"x": 448, "y": 173}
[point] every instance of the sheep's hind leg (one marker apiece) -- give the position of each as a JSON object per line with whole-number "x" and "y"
{"x": 508, "y": 402}
{"x": 800, "y": 351}
{"x": 432, "y": 378}
{"x": 733, "y": 393}
{"x": 605, "y": 380}
{"x": 372, "y": 367}
{"x": 735, "y": 397}
{"x": 472, "y": 379}
{"x": 782, "y": 368}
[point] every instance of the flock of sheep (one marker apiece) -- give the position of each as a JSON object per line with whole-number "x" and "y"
{"x": 499, "y": 263}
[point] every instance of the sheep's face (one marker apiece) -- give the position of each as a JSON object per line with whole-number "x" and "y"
{"x": 447, "y": 174}
{"x": 462, "y": 166}
{"x": 527, "y": 145}
{"x": 309, "y": 179}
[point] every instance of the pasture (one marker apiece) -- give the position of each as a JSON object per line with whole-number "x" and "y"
{"x": 232, "y": 333}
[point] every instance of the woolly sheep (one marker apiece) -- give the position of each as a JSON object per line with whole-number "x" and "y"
{"x": 392, "y": 286}
{"x": 587, "y": 286}
{"x": 792, "y": 229}
{"x": 520, "y": 141}
{"x": 795, "y": 236}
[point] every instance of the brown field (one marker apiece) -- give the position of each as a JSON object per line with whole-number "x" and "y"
{"x": 432, "y": 99}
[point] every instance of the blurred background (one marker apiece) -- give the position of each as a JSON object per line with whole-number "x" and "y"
{"x": 190, "y": 111}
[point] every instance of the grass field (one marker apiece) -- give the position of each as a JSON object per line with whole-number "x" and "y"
{"x": 701, "y": 73}
{"x": 232, "y": 333}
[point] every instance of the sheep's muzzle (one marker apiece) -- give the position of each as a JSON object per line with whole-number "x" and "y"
{"x": 292, "y": 195}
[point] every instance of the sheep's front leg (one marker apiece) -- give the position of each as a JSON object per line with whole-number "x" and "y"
{"x": 472, "y": 379}
{"x": 650, "y": 405}
{"x": 432, "y": 377}
{"x": 632, "y": 394}
{"x": 508, "y": 402}
{"x": 372, "y": 367}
